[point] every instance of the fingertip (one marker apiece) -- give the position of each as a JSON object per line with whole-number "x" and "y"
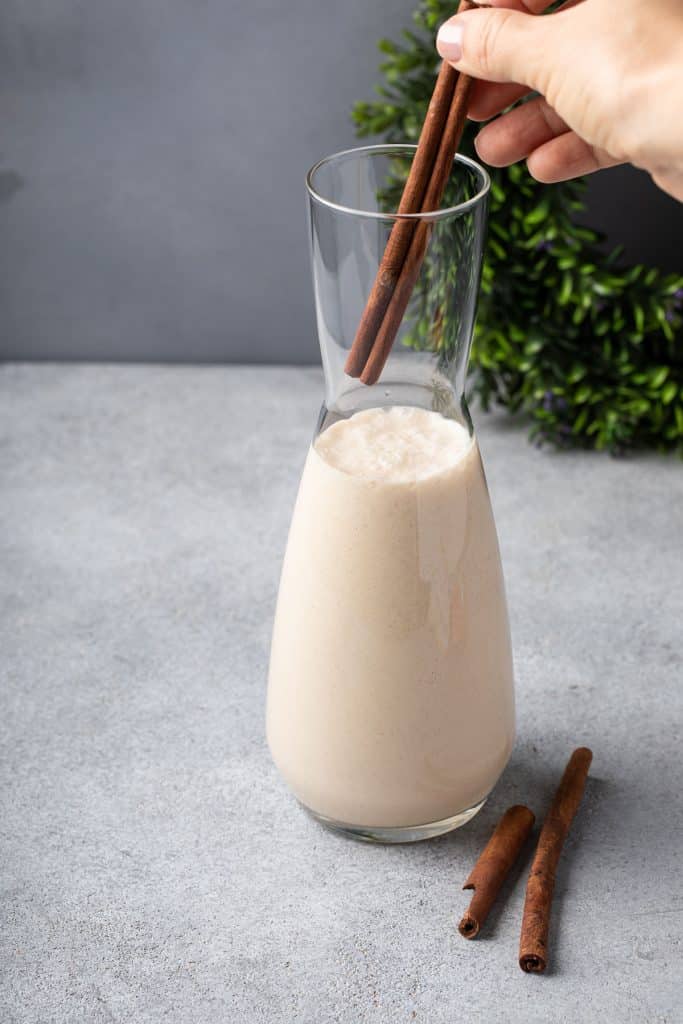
{"x": 494, "y": 44}
{"x": 538, "y": 175}
{"x": 491, "y": 98}
{"x": 484, "y": 149}
{"x": 478, "y": 101}
{"x": 489, "y": 150}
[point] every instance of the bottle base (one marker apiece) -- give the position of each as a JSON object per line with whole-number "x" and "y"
{"x": 400, "y": 834}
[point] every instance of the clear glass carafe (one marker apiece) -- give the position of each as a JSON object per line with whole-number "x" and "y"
{"x": 390, "y": 698}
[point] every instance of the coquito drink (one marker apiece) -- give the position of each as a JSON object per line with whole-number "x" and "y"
{"x": 390, "y": 693}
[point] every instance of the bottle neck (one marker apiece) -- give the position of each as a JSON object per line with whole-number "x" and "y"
{"x": 435, "y": 393}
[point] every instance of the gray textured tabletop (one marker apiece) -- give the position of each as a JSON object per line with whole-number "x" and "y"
{"x": 153, "y": 865}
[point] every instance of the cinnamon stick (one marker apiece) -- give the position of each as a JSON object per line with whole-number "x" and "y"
{"x": 410, "y": 271}
{"x": 533, "y": 944}
{"x": 417, "y": 197}
{"x": 403, "y": 230}
{"x": 493, "y": 866}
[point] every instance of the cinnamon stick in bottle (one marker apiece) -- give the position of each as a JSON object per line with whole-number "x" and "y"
{"x": 533, "y": 944}
{"x": 403, "y": 230}
{"x": 404, "y": 251}
{"x": 410, "y": 271}
{"x": 493, "y": 866}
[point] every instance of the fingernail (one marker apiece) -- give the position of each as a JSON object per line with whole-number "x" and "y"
{"x": 449, "y": 41}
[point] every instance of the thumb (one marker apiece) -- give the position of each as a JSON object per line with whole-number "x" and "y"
{"x": 498, "y": 45}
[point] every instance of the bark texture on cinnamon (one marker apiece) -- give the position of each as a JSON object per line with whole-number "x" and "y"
{"x": 493, "y": 866}
{"x": 410, "y": 271}
{"x": 405, "y": 249}
{"x": 403, "y": 230}
{"x": 533, "y": 944}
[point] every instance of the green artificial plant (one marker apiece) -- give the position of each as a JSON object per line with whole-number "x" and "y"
{"x": 589, "y": 348}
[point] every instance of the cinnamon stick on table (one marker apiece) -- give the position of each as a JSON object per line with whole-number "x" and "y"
{"x": 533, "y": 944}
{"x": 423, "y": 192}
{"x": 493, "y": 866}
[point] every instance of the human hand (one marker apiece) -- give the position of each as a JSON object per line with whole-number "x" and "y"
{"x": 610, "y": 79}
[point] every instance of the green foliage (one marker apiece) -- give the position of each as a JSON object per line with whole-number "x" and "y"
{"x": 588, "y": 348}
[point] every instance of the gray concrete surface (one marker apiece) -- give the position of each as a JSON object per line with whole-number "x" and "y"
{"x": 152, "y": 155}
{"x": 154, "y": 866}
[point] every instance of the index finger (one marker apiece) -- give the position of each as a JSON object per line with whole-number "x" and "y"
{"x": 490, "y": 98}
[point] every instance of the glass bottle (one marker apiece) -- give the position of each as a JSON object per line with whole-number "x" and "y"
{"x": 390, "y": 698}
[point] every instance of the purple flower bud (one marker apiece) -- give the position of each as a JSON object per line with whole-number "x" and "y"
{"x": 669, "y": 315}
{"x": 548, "y": 400}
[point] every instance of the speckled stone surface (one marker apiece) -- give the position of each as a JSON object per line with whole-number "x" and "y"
{"x": 154, "y": 868}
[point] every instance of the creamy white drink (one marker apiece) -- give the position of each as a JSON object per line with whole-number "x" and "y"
{"x": 390, "y": 693}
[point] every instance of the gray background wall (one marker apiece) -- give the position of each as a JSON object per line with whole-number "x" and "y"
{"x": 151, "y": 163}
